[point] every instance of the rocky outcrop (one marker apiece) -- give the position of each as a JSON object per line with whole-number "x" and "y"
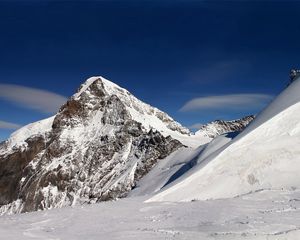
{"x": 12, "y": 166}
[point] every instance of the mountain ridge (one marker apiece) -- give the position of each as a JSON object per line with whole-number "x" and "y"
{"x": 219, "y": 127}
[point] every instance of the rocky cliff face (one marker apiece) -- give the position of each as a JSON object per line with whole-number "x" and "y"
{"x": 95, "y": 150}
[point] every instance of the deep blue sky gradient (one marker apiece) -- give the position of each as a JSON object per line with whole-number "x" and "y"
{"x": 164, "y": 52}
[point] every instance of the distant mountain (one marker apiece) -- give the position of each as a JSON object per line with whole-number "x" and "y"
{"x": 99, "y": 144}
{"x": 219, "y": 127}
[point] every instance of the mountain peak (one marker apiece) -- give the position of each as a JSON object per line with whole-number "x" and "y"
{"x": 109, "y": 86}
{"x": 149, "y": 116}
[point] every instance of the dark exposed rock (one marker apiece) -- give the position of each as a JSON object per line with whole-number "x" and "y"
{"x": 13, "y": 166}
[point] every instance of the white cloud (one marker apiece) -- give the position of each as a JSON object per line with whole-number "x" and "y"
{"x": 9, "y": 125}
{"x": 33, "y": 98}
{"x": 230, "y": 102}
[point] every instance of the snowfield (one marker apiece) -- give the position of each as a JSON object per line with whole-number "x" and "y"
{"x": 266, "y": 215}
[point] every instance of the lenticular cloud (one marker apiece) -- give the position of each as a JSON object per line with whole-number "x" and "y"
{"x": 33, "y": 98}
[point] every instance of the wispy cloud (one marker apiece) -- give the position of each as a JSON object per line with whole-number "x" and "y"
{"x": 9, "y": 125}
{"x": 33, "y": 98}
{"x": 230, "y": 102}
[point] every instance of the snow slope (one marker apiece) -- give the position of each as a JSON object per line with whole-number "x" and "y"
{"x": 176, "y": 165}
{"x": 158, "y": 177}
{"x": 264, "y": 156}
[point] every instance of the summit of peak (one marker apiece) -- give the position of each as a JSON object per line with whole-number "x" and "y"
{"x": 98, "y": 88}
{"x": 83, "y": 87}
{"x": 100, "y": 82}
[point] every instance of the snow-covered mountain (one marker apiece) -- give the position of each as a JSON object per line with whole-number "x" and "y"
{"x": 95, "y": 148}
{"x": 100, "y": 143}
{"x": 264, "y": 156}
{"x": 219, "y": 127}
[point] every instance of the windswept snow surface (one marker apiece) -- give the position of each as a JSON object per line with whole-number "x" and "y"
{"x": 265, "y": 215}
{"x": 264, "y": 156}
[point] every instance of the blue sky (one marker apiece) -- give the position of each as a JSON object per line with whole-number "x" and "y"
{"x": 196, "y": 60}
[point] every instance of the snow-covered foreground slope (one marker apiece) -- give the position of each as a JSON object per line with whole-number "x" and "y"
{"x": 266, "y": 215}
{"x": 264, "y": 156}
